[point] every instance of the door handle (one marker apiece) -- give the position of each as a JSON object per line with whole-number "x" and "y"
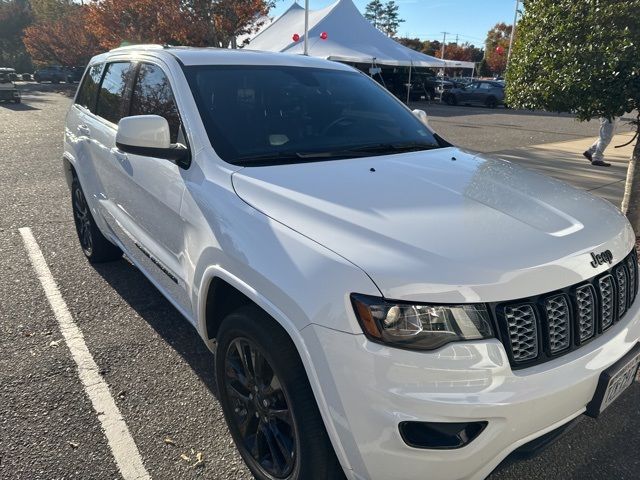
{"x": 84, "y": 130}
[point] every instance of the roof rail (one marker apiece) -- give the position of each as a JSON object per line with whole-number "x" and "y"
{"x": 143, "y": 46}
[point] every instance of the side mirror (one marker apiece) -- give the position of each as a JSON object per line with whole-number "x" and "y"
{"x": 149, "y": 135}
{"x": 422, "y": 116}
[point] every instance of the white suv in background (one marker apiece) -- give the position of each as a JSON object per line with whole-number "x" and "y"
{"x": 381, "y": 304}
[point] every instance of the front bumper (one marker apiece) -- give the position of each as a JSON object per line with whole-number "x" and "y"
{"x": 369, "y": 389}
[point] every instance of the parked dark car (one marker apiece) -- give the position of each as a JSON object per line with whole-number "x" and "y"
{"x": 8, "y": 90}
{"x": 487, "y": 93}
{"x": 74, "y": 74}
{"x": 433, "y": 86}
{"x": 54, "y": 74}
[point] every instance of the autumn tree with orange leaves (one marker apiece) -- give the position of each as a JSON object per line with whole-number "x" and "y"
{"x": 65, "y": 41}
{"x": 102, "y": 25}
{"x": 498, "y": 38}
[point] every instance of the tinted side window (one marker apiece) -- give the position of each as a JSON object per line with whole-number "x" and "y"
{"x": 112, "y": 91}
{"x": 89, "y": 88}
{"x": 152, "y": 95}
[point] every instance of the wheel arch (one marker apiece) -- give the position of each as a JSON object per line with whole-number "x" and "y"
{"x": 68, "y": 169}
{"x": 218, "y": 283}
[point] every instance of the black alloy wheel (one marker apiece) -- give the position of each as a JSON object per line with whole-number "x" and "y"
{"x": 267, "y": 401}
{"x": 262, "y": 416}
{"x": 94, "y": 244}
{"x": 82, "y": 219}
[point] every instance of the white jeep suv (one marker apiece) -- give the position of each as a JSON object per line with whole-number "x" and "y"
{"x": 381, "y": 304}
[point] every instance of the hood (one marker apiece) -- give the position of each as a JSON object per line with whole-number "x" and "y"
{"x": 443, "y": 225}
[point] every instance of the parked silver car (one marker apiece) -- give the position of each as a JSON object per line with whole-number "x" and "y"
{"x": 485, "y": 92}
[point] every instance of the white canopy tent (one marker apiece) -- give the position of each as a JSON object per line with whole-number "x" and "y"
{"x": 350, "y": 38}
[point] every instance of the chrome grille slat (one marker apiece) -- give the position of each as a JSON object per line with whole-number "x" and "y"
{"x": 534, "y": 330}
{"x": 586, "y": 309}
{"x": 558, "y": 318}
{"x": 632, "y": 268}
{"x": 622, "y": 286}
{"x": 523, "y": 332}
{"x": 607, "y": 301}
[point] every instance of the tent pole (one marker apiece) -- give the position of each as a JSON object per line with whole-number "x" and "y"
{"x": 306, "y": 27}
{"x": 409, "y": 84}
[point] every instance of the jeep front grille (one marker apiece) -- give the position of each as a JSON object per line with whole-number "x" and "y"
{"x": 586, "y": 312}
{"x": 557, "y": 313}
{"x": 534, "y": 330}
{"x": 523, "y": 331}
{"x": 607, "y": 302}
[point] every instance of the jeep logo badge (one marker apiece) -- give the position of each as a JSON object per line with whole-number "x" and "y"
{"x": 600, "y": 258}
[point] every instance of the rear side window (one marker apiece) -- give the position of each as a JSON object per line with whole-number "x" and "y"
{"x": 89, "y": 89}
{"x": 112, "y": 91}
{"x": 152, "y": 95}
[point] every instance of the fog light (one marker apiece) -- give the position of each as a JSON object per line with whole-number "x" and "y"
{"x": 442, "y": 436}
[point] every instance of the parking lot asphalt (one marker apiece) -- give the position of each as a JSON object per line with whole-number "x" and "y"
{"x": 158, "y": 371}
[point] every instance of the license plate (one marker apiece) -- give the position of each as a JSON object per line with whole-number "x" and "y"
{"x": 615, "y": 380}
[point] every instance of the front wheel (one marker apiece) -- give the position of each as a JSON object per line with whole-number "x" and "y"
{"x": 94, "y": 245}
{"x": 451, "y": 100}
{"x": 268, "y": 403}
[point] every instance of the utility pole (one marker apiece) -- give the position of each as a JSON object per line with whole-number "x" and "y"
{"x": 456, "y": 39}
{"x": 513, "y": 31}
{"x": 306, "y": 27}
{"x": 444, "y": 39}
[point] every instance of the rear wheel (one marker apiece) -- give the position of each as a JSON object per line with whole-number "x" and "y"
{"x": 94, "y": 245}
{"x": 492, "y": 102}
{"x": 268, "y": 403}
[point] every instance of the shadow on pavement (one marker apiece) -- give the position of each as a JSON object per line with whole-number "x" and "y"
{"x": 18, "y": 107}
{"x": 156, "y": 310}
{"x": 33, "y": 88}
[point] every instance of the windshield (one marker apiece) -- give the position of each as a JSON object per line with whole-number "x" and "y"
{"x": 266, "y": 115}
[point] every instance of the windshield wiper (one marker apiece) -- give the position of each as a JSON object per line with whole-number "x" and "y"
{"x": 381, "y": 148}
{"x": 355, "y": 152}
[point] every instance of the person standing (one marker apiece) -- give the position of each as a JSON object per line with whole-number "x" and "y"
{"x": 595, "y": 153}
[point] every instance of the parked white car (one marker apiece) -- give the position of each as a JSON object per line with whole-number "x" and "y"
{"x": 380, "y": 303}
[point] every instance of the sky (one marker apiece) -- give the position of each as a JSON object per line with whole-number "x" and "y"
{"x": 427, "y": 19}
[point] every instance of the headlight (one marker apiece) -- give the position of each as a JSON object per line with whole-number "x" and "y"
{"x": 420, "y": 326}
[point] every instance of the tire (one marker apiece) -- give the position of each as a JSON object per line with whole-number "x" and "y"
{"x": 308, "y": 454}
{"x": 451, "y": 100}
{"x": 16, "y": 100}
{"x": 491, "y": 102}
{"x": 94, "y": 245}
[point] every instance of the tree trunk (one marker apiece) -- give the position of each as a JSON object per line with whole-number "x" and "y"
{"x": 631, "y": 201}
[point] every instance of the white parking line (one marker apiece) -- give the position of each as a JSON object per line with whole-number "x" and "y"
{"x": 122, "y": 446}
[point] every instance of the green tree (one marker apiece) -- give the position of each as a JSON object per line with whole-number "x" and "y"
{"x": 51, "y": 10}
{"x": 483, "y": 68}
{"x": 581, "y": 57}
{"x": 390, "y": 20}
{"x": 413, "y": 43}
{"x": 374, "y": 11}
{"x": 15, "y": 15}
{"x": 384, "y": 16}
